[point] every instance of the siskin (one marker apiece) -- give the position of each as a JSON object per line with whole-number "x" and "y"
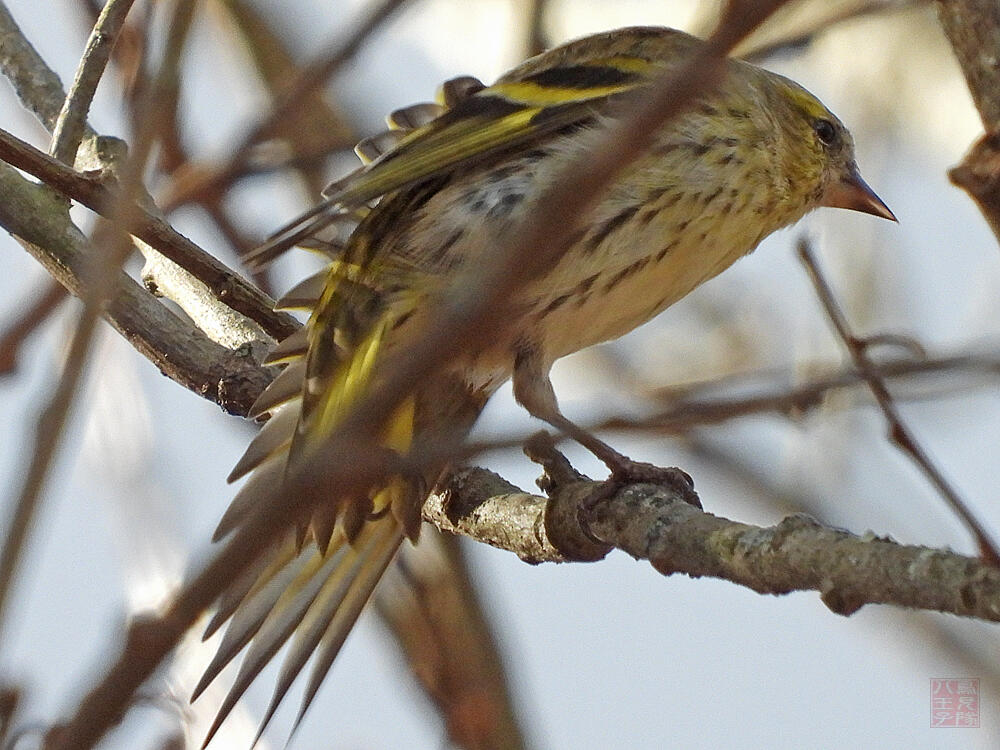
{"x": 435, "y": 195}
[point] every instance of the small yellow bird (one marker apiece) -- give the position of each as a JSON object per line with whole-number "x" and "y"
{"x": 434, "y": 198}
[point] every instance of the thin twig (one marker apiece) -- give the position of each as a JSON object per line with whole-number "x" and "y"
{"x": 45, "y": 302}
{"x": 72, "y": 120}
{"x": 898, "y": 432}
{"x": 686, "y": 409}
{"x": 71, "y": 124}
{"x": 681, "y": 415}
{"x": 827, "y": 375}
{"x": 40, "y": 91}
{"x": 36, "y": 85}
{"x": 308, "y": 81}
{"x": 535, "y": 38}
{"x": 129, "y": 50}
{"x": 807, "y": 21}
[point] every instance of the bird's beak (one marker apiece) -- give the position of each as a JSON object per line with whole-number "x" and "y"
{"x": 853, "y": 193}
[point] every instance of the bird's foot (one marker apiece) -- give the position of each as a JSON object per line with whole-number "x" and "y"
{"x": 626, "y": 471}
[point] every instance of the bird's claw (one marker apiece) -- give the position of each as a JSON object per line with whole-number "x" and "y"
{"x": 626, "y": 471}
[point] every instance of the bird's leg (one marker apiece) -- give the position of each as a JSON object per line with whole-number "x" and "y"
{"x": 533, "y": 390}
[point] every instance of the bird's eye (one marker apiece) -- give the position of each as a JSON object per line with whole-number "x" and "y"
{"x": 825, "y": 131}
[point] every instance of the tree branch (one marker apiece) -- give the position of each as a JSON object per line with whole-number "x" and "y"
{"x": 111, "y": 247}
{"x": 979, "y": 176}
{"x": 93, "y": 192}
{"x": 72, "y": 121}
{"x": 973, "y": 28}
{"x": 40, "y": 306}
{"x": 657, "y": 523}
{"x": 178, "y": 349}
{"x": 432, "y": 607}
{"x": 690, "y": 406}
{"x": 298, "y": 93}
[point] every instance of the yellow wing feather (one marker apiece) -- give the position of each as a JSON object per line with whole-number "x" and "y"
{"x": 513, "y": 111}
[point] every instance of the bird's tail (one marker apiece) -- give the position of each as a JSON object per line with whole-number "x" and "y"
{"x": 311, "y": 586}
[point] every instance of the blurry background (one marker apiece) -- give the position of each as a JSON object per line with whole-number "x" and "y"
{"x": 610, "y": 654}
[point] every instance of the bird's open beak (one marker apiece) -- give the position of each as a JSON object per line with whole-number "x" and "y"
{"x": 853, "y": 193}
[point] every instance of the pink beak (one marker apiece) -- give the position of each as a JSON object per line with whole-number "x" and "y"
{"x": 853, "y": 193}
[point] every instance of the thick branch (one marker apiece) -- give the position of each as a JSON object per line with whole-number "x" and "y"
{"x": 656, "y": 523}
{"x": 486, "y": 507}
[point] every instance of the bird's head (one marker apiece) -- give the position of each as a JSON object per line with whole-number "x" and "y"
{"x": 820, "y": 153}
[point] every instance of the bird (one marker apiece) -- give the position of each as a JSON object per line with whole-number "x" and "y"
{"x": 435, "y": 195}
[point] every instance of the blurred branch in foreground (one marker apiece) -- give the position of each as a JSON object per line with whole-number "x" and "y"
{"x": 28, "y": 320}
{"x": 436, "y": 616}
{"x": 298, "y": 93}
{"x": 109, "y": 247}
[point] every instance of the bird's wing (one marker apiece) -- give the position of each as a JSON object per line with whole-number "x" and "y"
{"x": 547, "y": 93}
